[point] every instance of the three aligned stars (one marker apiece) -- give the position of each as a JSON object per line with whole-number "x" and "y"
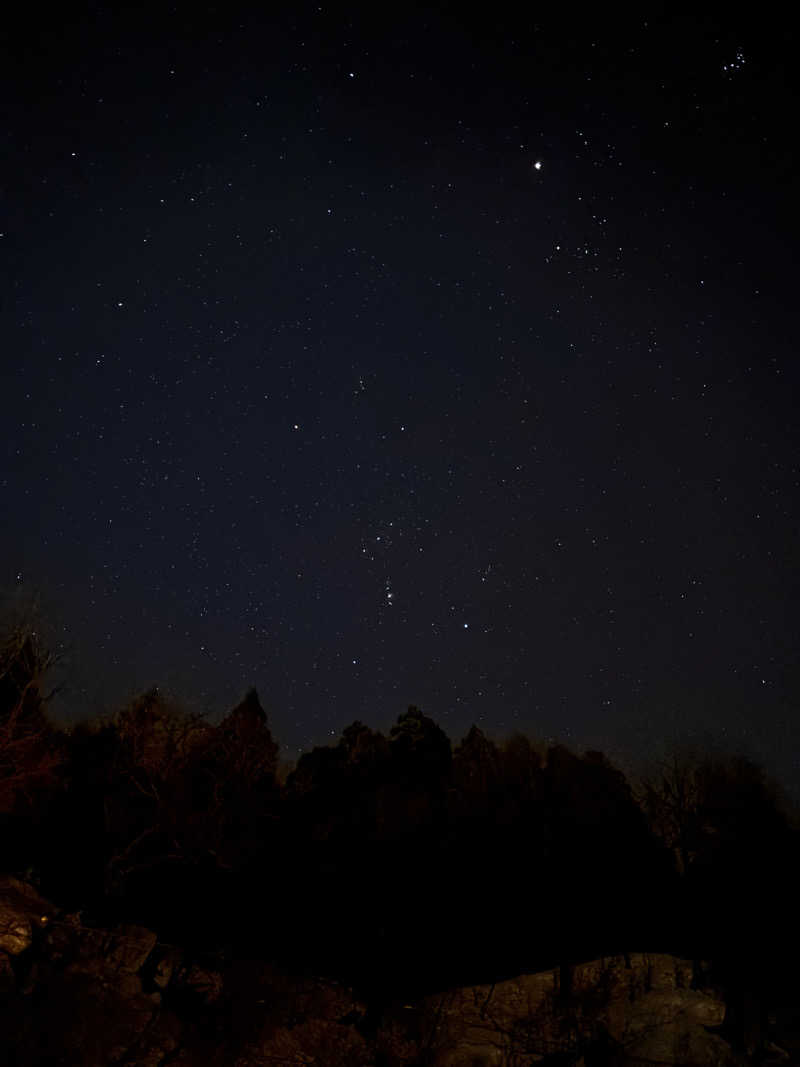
{"x": 382, "y": 543}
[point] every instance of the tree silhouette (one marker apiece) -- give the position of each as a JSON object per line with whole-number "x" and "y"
{"x": 148, "y": 814}
{"x": 671, "y": 799}
{"x": 476, "y": 774}
{"x": 29, "y": 753}
{"x": 420, "y": 748}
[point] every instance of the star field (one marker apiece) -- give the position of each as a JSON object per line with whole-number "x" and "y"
{"x": 376, "y": 360}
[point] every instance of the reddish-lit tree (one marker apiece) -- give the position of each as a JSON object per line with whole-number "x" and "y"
{"x": 29, "y": 753}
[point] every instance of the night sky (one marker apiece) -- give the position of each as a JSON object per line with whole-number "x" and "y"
{"x": 417, "y": 356}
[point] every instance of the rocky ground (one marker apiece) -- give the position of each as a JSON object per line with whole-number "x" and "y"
{"x": 73, "y": 994}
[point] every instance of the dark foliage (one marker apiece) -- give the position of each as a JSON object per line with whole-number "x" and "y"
{"x": 396, "y": 863}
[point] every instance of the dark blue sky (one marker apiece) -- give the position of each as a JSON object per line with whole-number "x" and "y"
{"x": 312, "y": 380}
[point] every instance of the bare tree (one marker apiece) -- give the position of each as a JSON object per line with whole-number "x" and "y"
{"x": 671, "y": 796}
{"x": 29, "y": 755}
{"x": 157, "y": 743}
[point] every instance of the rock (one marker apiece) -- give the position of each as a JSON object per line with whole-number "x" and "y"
{"x": 317, "y": 1041}
{"x": 91, "y": 1019}
{"x": 165, "y": 967}
{"x": 394, "y": 1045}
{"x": 91, "y": 1010}
{"x": 484, "y": 1024}
{"x": 639, "y": 1002}
{"x": 292, "y": 999}
{"x": 98, "y": 1001}
{"x": 204, "y": 983}
{"x": 129, "y": 947}
{"x": 16, "y": 934}
{"x": 63, "y": 938}
{"x": 22, "y": 910}
{"x": 159, "y": 1044}
{"x": 322, "y": 999}
{"x": 113, "y": 955}
{"x": 670, "y": 1028}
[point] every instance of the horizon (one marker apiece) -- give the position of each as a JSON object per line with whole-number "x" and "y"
{"x": 415, "y": 357}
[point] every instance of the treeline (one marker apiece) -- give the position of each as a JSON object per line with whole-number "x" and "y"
{"x": 399, "y": 863}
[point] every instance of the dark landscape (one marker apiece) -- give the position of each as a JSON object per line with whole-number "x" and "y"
{"x": 173, "y": 895}
{"x": 399, "y": 535}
